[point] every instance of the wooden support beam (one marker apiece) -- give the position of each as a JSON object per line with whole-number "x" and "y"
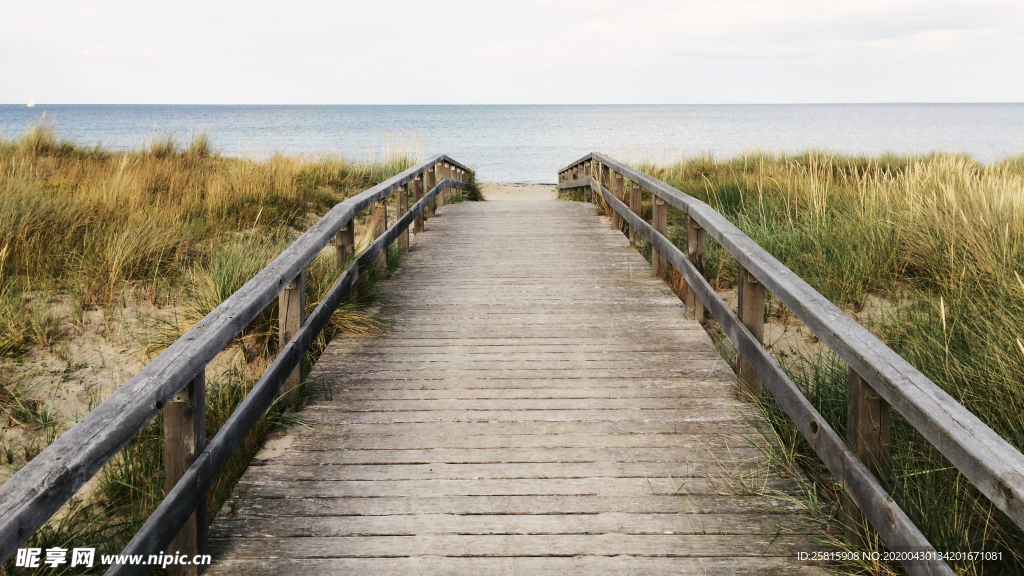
{"x": 403, "y": 207}
{"x": 442, "y": 173}
{"x": 451, "y": 176}
{"x": 291, "y": 307}
{"x": 380, "y": 215}
{"x": 636, "y": 196}
{"x": 449, "y": 173}
{"x": 344, "y": 244}
{"x": 616, "y": 189}
{"x": 588, "y": 170}
{"x": 868, "y": 433}
{"x": 430, "y": 180}
{"x": 184, "y": 439}
{"x": 751, "y": 313}
{"x": 696, "y": 240}
{"x": 417, "y": 191}
{"x": 659, "y": 219}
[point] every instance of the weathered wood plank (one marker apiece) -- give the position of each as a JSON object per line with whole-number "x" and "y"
{"x": 608, "y": 522}
{"x": 184, "y": 439}
{"x": 517, "y": 392}
{"x": 533, "y": 504}
{"x": 316, "y": 466}
{"x": 520, "y": 455}
{"x": 334, "y": 422}
{"x": 542, "y": 415}
{"x": 695, "y": 390}
{"x": 562, "y": 566}
{"x": 674, "y": 545}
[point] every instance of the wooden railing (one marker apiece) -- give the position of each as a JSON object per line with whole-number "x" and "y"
{"x": 175, "y": 380}
{"x": 878, "y": 377}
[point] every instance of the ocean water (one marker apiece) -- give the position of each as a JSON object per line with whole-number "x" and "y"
{"x": 529, "y": 144}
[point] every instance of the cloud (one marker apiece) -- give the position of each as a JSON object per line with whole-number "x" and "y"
{"x": 141, "y": 56}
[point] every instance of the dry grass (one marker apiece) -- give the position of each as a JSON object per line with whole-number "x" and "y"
{"x": 940, "y": 240}
{"x": 180, "y": 227}
{"x": 942, "y": 235}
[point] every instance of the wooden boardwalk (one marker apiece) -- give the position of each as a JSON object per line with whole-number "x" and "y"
{"x": 539, "y": 405}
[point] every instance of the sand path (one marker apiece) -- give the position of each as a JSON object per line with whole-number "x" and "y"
{"x": 496, "y": 192}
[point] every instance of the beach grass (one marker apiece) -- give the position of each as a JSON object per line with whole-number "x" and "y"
{"x": 928, "y": 252}
{"x": 940, "y": 239}
{"x": 180, "y": 228}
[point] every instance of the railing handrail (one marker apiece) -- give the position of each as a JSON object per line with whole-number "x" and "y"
{"x": 37, "y": 491}
{"x": 990, "y": 462}
{"x": 181, "y": 501}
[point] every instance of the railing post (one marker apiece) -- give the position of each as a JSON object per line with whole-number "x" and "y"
{"x": 429, "y": 181}
{"x": 449, "y": 173}
{"x": 344, "y": 243}
{"x": 868, "y": 432}
{"x": 417, "y": 191}
{"x": 616, "y": 189}
{"x": 695, "y": 245}
{"x": 380, "y": 215}
{"x": 441, "y": 175}
{"x": 291, "y": 307}
{"x": 588, "y": 171}
{"x": 403, "y": 207}
{"x": 184, "y": 439}
{"x": 636, "y": 197}
{"x": 659, "y": 219}
{"x": 751, "y": 313}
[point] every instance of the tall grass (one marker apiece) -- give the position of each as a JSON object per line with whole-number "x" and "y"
{"x": 93, "y": 223}
{"x": 941, "y": 237}
{"x": 181, "y": 226}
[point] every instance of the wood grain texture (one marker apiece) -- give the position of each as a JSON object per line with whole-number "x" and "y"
{"x": 750, "y": 310}
{"x": 184, "y": 439}
{"x": 291, "y": 307}
{"x": 659, "y": 266}
{"x": 403, "y": 207}
{"x": 417, "y": 195}
{"x": 535, "y": 405}
{"x": 696, "y": 243}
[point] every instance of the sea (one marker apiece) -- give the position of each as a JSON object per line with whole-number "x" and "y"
{"x": 529, "y": 143}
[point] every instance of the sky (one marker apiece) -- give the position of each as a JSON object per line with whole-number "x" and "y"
{"x": 506, "y": 52}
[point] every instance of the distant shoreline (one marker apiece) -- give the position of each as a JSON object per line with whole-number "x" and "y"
{"x": 528, "y": 143}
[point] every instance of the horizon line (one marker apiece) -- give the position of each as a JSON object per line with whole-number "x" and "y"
{"x": 36, "y": 105}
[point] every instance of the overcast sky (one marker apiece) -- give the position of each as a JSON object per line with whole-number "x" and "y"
{"x": 530, "y": 51}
